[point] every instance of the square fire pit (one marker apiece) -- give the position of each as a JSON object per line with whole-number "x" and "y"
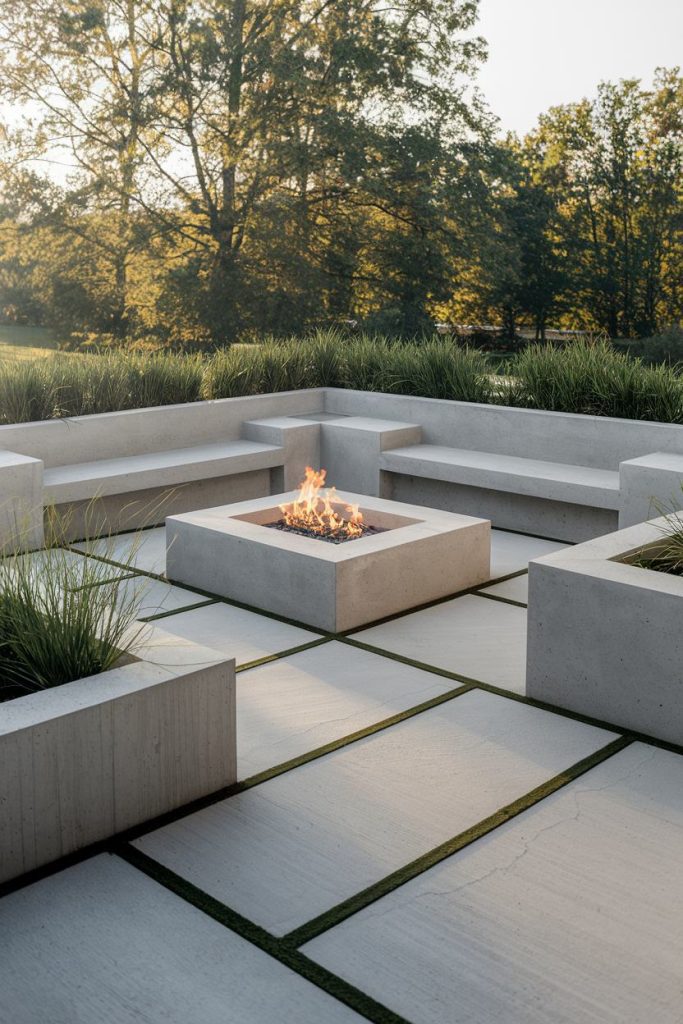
{"x": 411, "y": 555}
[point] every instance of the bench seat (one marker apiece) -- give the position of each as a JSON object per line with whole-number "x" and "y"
{"x": 552, "y": 481}
{"x": 86, "y": 480}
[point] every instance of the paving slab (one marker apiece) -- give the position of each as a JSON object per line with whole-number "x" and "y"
{"x": 306, "y": 700}
{"x": 511, "y": 552}
{"x": 479, "y": 639}
{"x": 289, "y": 849}
{"x": 144, "y": 550}
{"x": 241, "y": 634}
{"x": 572, "y": 913}
{"x": 516, "y": 589}
{"x": 156, "y": 597}
{"x": 100, "y": 943}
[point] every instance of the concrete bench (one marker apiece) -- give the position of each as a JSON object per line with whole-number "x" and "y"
{"x": 156, "y": 469}
{"x": 554, "y": 481}
{"x": 559, "y": 498}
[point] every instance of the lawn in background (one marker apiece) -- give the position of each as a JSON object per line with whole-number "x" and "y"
{"x": 18, "y": 342}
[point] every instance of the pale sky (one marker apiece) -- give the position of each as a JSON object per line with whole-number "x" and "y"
{"x": 546, "y": 52}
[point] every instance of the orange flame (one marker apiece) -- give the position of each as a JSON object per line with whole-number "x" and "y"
{"x": 313, "y": 510}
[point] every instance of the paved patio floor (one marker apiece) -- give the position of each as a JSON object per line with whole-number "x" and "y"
{"x": 411, "y": 841}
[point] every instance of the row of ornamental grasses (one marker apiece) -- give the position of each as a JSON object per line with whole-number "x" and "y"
{"x": 583, "y": 377}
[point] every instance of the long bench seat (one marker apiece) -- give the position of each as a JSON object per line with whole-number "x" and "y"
{"x": 85, "y": 480}
{"x": 552, "y": 481}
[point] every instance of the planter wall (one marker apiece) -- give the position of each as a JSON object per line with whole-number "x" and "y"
{"x": 84, "y": 761}
{"x": 605, "y": 637}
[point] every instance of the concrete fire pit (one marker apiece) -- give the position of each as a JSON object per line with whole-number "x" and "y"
{"x": 421, "y": 555}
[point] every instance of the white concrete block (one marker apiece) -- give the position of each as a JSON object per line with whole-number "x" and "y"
{"x": 293, "y": 847}
{"x": 650, "y": 486}
{"x": 351, "y": 449}
{"x": 423, "y": 555}
{"x": 100, "y": 943}
{"x": 21, "y": 502}
{"x": 306, "y": 700}
{"x": 604, "y": 636}
{"x": 298, "y": 441}
{"x": 478, "y": 639}
{"x": 83, "y": 761}
{"x": 571, "y": 912}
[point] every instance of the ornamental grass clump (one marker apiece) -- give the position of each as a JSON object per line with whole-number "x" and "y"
{"x": 595, "y": 379}
{"x": 667, "y": 554}
{"x": 62, "y": 617}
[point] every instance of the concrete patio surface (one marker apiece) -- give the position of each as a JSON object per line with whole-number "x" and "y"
{"x": 411, "y": 841}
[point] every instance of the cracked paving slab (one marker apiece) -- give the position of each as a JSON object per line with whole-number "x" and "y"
{"x": 306, "y": 700}
{"x": 569, "y": 914}
{"x": 295, "y": 846}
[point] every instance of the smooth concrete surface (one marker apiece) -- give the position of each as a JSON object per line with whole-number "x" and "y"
{"x": 237, "y": 632}
{"x": 600, "y": 442}
{"x": 516, "y": 589}
{"x": 154, "y": 597}
{"x": 604, "y": 636}
{"x": 520, "y": 512}
{"x": 306, "y": 700}
{"x": 171, "y": 468}
{"x": 351, "y": 450}
{"x": 650, "y": 487}
{"x": 21, "y": 502}
{"x": 571, "y": 913}
{"x": 425, "y": 554}
{"x": 511, "y": 552}
{"x": 103, "y": 515}
{"x": 298, "y": 441}
{"x": 547, "y": 473}
{"x": 478, "y": 639}
{"x": 100, "y": 943}
{"x": 83, "y": 761}
{"x": 144, "y": 552}
{"x": 293, "y": 847}
{"x": 113, "y": 435}
{"x": 139, "y": 510}
{"x": 581, "y": 485}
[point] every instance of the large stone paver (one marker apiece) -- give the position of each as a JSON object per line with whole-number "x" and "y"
{"x": 572, "y": 913}
{"x": 516, "y": 589}
{"x": 479, "y": 639}
{"x": 306, "y": 700}
{"x": 155, "y": 597}
{"x": 511, "y": 552}
{"x": 101, "y": 942}
{"x": 144, "y": 550}
{"x": 238, "y": 633}
{"x": 287, "y": 850}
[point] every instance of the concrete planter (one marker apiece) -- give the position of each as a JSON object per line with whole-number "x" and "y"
{"x": 605, "y": 637}
{"x": 84, "y": 761}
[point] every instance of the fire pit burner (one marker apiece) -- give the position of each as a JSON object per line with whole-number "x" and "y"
{"x": 332, "y": 537}
{"x": 317, "y": 513}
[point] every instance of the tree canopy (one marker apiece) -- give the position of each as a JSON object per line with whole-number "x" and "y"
{"x": 268, "y": 165}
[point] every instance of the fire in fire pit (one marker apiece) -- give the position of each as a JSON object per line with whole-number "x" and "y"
{"x": 317, "y": 513}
